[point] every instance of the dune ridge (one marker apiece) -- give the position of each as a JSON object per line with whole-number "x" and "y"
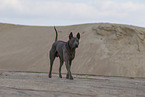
{"x": 105, "y": 49}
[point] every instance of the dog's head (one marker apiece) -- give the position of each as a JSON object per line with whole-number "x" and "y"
{"x": 74, "y": 41}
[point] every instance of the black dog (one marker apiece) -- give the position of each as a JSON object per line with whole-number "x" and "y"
{"x": 65, "y": 51}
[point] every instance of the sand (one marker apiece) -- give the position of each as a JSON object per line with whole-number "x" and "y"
{"x": 105, "y": 49}
{"x": 31, "y": 84}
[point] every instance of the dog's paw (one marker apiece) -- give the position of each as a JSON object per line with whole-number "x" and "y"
{"x": 67, "y": 77}
{"x": 49, "y": 76}
{"x": 60, "y": 76}
{"x": 71, "y": 78}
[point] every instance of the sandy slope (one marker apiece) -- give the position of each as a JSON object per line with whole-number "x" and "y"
{"x": 105, "y": 49}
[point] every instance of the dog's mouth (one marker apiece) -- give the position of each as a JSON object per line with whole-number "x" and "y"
{"x": 76, "y": 46}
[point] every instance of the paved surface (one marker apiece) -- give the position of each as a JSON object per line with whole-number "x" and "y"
{"x": 28, "y": 84}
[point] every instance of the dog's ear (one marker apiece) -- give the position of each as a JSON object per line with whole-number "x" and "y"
{"x": 78, "y": 35}
{"x": 70, "y": 35}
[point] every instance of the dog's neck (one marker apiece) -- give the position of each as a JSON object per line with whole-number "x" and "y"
{"x": 69, "y": 48}
{"x": 70, "y": 51}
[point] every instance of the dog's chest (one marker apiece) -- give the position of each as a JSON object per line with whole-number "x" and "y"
{"x": 69, "y": 55}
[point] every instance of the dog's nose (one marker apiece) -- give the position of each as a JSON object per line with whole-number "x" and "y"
{"x": 76, "y": 45}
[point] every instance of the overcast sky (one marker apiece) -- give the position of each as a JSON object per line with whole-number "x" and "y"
{"x": 69, "y": 12}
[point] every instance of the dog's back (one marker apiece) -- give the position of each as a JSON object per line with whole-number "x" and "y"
{"x": 57, "y": 47}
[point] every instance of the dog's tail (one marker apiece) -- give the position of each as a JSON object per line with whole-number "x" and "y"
{"x": 56, "y": 34}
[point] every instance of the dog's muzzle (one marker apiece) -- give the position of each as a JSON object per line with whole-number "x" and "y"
{"x": 76, "y": 45}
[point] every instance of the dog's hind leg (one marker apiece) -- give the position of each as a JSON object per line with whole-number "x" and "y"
{"x": 52, "y": 57}
{"x": 61, "y": 63}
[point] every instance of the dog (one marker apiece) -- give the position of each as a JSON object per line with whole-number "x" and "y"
{"x": 65, "y": 51}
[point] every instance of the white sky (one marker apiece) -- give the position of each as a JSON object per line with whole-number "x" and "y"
{"x": 69, "y": 12}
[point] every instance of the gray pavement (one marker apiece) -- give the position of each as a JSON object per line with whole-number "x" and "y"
{"x": 30, "y": 84}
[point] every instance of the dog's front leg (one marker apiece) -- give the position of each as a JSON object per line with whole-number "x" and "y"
{"x": 67, "y": 75}
{"x": 68, "y": 65}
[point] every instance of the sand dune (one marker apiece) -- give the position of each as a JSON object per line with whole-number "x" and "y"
{"x": 105, "y": 49}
